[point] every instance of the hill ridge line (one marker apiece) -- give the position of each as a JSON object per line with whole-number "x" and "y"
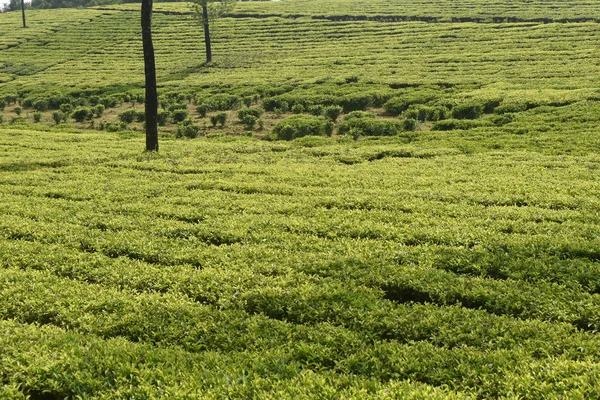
{"x": 387, "y": 18}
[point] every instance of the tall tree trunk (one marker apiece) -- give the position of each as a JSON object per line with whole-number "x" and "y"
{"x": 150, "y": 70}
{"x": 206, "y": 32}
{"x": 23, "y": 12}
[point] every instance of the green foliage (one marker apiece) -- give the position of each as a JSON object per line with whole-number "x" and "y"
{"x": 37, "y": 116}
{"x": 467, "y": 111}
{"x": 82, "y": 114}
{"x": 66, "y": 108}
{"x": 397, "y": 105}
{"x": 179, "y": 115}
{"x": 98, "y": 110}
{"x": 188, "y": 129}
{"x": 370, "y": 127}
{"x": 41, "y": 105}
{"x": 358, "y": 114}
{"x": 219, "y": 102}
{"x": 434, "y": 264}
{"x": 333, "y": 112}
{"x": 128, "y": 116}
{"x": 59, "y": 116}
{"x": 426, "y": 113}
{"x": 452, "y": 124}
{"x": 18, "y": 110}
{"x": 162, "y": 117}
{"x": 254, "y": 112}
{"x": 249, "y": 121}
{"x": 297, "y": 109}
{"x": 297, "y": 126}
{"x": 316, "y": 110}
{"x": 219, "y": 118}
{"x": 202, "y": 109}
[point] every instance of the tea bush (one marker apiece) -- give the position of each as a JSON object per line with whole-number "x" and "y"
{"x": 359, "y": 114}
{"x": 333, "y": 112}
{"x": 397, "y": 105}
{"x": 370, "y": 127}
{"x": 219, "y": 118}
{"x": 179, "y": 115}
{"x": 254, "y": 112}
{"x": 188, "y": 129}
{"x": 297, "y": 109}
{"x": 82, "y": 114}
{"x": 452, "y": 124}
{"x": 297, "y": 126}
{"x": 467, "y": 111}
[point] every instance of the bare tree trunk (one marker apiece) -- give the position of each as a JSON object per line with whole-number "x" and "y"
{"x": 23, "y": 12}
{"x": 150, "y": 71}
{"x": 206, "y": 32}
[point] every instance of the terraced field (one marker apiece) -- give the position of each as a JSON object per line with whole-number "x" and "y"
{"x": 458, "y": 259}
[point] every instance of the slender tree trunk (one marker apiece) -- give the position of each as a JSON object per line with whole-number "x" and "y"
{"x": 206, "y": 32}
{"x": 23, "y": 12}
{"x": 150, "y": 70}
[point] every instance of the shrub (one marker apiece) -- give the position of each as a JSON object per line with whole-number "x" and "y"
{"x": 98, "y": 110}
{"x": 452, "y": 124}
{"x": 18, "y": 110}
{"x": 10, "y": 99}
{"x": 40, "y": 105}
{"x": 397, "y": 105}
{"x": 356, "y": 102}
{"x": 66, "y": 108}
{"x": 82, "y": 114}
{"x": 297, "y": 108}
{"x": 316, "y": 110}
{"x": 301, "y": 125}
{"x": 371, "y": 127}
{"x": 161, "y": 117}
{"x": 328, "y": 128}
{"x": 467, "y": 111}
{"x": 202, "y": 109}
{"x": 58, "y": 117}
{"x": 222, "y": 102}
{"x": 128, "y": 116}
{"x": 333, "y": 112}
{"x": 506, "y": 108}
{"x": 424, "y": 113}
{"x": 175, "y": 106}
{"x": 187, "y": 128}
{"x": 179, "y": 115}
{"x": 249, "y": 121}
{"x": 219, "y": 118}
{"x": 94, "y": 100}
{"x": 255, "y": 112}
{"x": 37, "y": 116}
{"x": 247, "y": 101}
{"x": 2, "y": 104}
{"x": 359, "y": 114}
{"x": 409, "y": 124}
{"x": 110, "y": 101}
{"x": 140, "y": 116}
{"x": 490, "y": 105}
{"x": 500, "y": 120}
{"x": 1, "y": 119}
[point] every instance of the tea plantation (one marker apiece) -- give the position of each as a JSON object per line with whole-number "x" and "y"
{"x": 357, "y": 200}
